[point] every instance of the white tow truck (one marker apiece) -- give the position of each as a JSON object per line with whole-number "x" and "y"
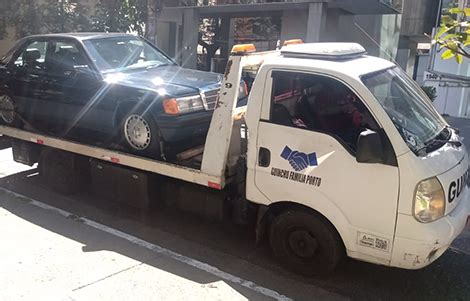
{"x": 336, "y": 153}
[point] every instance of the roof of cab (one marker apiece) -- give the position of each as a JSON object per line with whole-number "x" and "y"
{"x": 345, "y": 58}
{"x": 84, "y": 35}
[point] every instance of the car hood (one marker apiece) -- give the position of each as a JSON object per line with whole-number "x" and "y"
{"x": 169, "y": 80}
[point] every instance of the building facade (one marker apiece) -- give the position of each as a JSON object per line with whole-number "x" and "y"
{"x": 451, "y": 80}
{"x": 373, "y": 23}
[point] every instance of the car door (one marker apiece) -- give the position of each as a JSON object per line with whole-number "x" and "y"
{"x": 71, "y": 85}
{"x": 306, "y": 146}
{"x": 25, "y": 78}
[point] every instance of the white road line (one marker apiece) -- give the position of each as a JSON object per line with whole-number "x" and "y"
{"x": 160, "y": 250}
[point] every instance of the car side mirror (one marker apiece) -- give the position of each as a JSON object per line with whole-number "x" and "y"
{"x": 369, "y": 147}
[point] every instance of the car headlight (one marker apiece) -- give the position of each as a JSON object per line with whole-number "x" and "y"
{"x": 182, "y": 105}
{"x": 430, "y": 201}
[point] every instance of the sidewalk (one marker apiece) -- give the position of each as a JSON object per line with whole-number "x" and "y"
{"x": 48, "y": 256}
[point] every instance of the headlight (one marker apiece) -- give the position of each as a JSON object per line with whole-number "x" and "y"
{"x": 182, "y": 105}
{"x": 430, "y": 202}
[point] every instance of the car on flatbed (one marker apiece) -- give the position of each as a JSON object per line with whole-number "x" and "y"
{"x": 119, "y": 85}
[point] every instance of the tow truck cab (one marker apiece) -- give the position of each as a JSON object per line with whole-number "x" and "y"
{"x": 356, "y": 142}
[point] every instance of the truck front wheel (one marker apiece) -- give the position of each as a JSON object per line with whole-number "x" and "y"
{"x": 305, "y": 242}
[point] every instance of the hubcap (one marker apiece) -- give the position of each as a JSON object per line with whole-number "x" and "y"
{"x": 137, "y": 132}
{"x": 7, "y": 109}
{"x": 303, "y": 244}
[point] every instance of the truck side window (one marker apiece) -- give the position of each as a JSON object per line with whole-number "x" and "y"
{"x": 319, "y": 103}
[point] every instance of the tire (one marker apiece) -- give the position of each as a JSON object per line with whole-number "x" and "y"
{"x": 305, "y": 242}
{"x": 8, "y": 111}
{"x": 139, "y": 134}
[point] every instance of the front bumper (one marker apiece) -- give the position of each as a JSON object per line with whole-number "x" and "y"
{"x": 193, "y": 126}
{"x": 417, "y": 245}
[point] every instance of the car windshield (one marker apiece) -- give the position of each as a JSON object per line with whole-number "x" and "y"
{"x": 407, "y": 106}
{"x": 123, "y": 53}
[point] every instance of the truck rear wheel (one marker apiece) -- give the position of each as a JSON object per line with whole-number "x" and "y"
{"x": 305, "y": 242}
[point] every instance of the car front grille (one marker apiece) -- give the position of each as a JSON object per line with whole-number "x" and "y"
{"x": 211, "y": 99}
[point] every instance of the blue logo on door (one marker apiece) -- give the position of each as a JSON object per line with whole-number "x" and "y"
{"x": 299, "y": 160}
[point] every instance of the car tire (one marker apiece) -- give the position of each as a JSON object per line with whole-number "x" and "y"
{"x": 305, "y": 242}
{"x": 8, "y": 111}
{"x": 139, "y": 134}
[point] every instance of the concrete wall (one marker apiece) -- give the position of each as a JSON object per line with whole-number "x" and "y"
{"x": 308, "y": 25}
{"x": 379, "y": 34}
{"x": 452, "y": 98}
{"x": 294, "y": 25}
{"x": 423, "y": 65}
{"x": 8, "y": 42}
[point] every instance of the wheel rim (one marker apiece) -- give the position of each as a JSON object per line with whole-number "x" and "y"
{"x": 7, "y": 109}
{"x": 302, "y": 244}
{"x": 137, "y": 132}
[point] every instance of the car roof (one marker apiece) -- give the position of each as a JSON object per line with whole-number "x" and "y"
{"x": 83, "y": 35}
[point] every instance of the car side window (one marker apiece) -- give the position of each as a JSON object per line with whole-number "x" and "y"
{"x": 64, "y": 57}
{"x": 32, "y": 57}
{"x": 319, "y": 103}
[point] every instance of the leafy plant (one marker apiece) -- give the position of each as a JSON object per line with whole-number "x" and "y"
{"x": 430, "y": 92}
{"x": 120, "y": 16}
{"x": 30, "y": 17}
{"x": 454, "y": 34}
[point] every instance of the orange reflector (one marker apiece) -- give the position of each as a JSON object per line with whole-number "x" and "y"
{"x": 38, "y": 141}
{"x": 243, "y": 48}
{"x": 170, "y": 106}
{"x": 214, "y": 185}
{"x": 293, "y": 42}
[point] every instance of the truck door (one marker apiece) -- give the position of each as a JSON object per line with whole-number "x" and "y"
{"x": 306, "y": 147}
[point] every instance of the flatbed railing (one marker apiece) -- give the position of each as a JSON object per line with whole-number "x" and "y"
{"x": 164, "y": 168}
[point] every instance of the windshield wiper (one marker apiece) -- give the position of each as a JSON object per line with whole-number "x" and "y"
{"x": 436, "y": 142}
{"x": 156, "y": 65}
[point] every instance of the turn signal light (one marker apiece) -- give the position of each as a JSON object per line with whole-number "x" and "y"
{"x": 243, "y": 48}
{"x": 170, "y": 106}
{"x": 293, "y": 42}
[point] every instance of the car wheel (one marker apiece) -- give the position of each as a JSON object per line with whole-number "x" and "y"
{"x": 8, "y": 114}
{"x": 305, "y": 242}
{"x": 140, "y": 135}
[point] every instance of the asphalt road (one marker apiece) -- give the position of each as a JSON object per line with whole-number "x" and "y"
{"x": 51, "y": 254}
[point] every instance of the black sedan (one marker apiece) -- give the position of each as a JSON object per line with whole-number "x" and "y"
{"x": 116, "y": 84}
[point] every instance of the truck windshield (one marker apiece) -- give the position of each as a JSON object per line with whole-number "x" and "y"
{"x": 124, "y": 53}
{"x": 408, "y": 107}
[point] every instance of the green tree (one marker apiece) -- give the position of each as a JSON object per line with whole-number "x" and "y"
{"x": 29, "y": 17}
{"x": 120, "y": 16}
{"x": 454, "y": 34}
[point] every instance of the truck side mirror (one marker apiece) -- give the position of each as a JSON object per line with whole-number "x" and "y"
{"x": 369, "y": 147}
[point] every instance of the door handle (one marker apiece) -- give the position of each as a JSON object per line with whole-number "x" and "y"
{"x": 264, "y": 157}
